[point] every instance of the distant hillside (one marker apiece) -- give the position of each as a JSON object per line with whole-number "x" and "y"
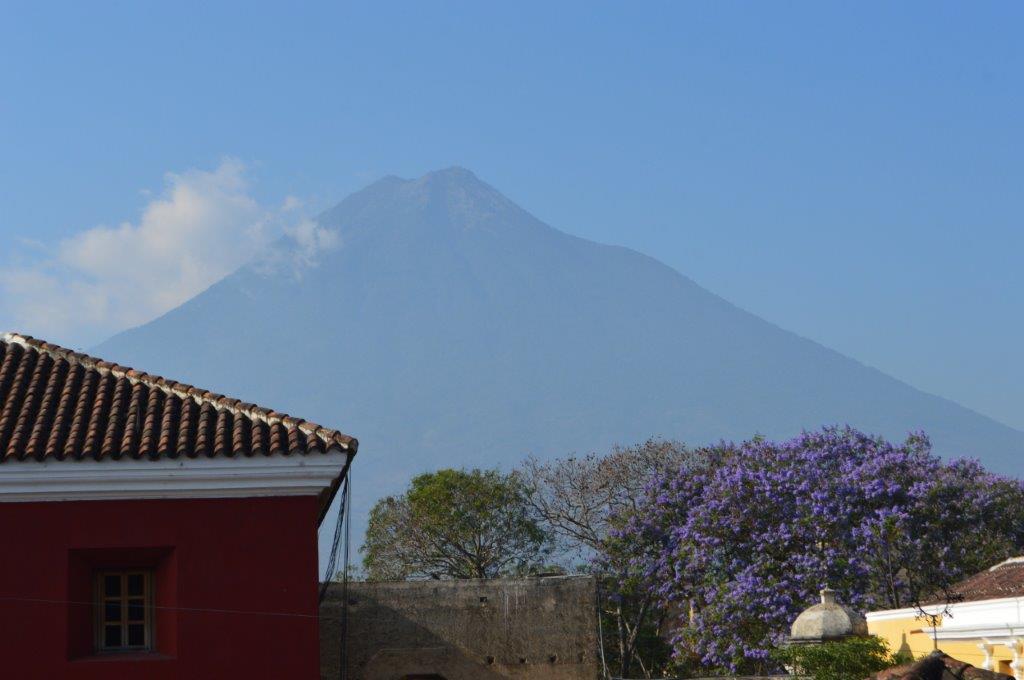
{"x": 453, "y": 328}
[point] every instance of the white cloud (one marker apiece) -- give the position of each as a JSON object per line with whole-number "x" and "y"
{"x": 202, "y": 227}
{"x": 310, "y": 240}
{"x": 306, "y": 241}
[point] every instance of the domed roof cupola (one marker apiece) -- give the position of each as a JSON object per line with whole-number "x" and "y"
{"x": 827, "y": 621}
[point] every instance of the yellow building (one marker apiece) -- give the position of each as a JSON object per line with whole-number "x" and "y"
{"x": 985, "y": 628}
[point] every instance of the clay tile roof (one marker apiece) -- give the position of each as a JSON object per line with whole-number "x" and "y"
{"x": 1005, "y": 579}
{"x": 59, "y": 404}
{"x": 938, "y": 666}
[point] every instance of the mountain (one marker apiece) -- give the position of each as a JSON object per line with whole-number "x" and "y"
{"x": 450, "y": 327}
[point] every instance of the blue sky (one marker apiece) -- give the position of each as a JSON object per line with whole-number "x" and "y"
{"x": 850, "y": 171}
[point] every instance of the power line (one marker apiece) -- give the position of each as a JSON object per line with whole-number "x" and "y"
{"x": 343, "y": 660}
{"x": 340, "y": 528}
{"x": 196, "y": 610}
{"x": 332, "y": 561}
{"x": 600, "y": 627}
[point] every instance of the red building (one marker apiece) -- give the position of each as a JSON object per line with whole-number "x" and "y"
{"x": 149, "y": 529}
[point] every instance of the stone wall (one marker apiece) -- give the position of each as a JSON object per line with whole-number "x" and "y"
{"x": 534, "y": 628}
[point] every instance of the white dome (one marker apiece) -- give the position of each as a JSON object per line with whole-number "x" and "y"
{"x": 827, "y": 621}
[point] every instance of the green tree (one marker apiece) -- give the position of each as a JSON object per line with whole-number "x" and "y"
{"x": 454, "y": 524}
{"x": 850, "y": 659}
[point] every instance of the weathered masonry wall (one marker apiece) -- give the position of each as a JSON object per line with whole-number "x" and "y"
{"x": 535, "y": 628}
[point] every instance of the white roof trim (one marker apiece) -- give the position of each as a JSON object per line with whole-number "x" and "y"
{"x": 907, "y": 613}
{"x": 1012, "y": 560}
{"x": 220, "y": 477}
{"x": 973, "y": 606}
{"x": 988, "y": 631}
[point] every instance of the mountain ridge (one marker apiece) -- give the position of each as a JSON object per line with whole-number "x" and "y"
{"x": 452, "y": 327}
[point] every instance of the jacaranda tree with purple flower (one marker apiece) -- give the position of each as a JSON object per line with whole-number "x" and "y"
{"x": 741, "y": 538}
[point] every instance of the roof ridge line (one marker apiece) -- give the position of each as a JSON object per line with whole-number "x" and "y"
{"x": 171, "y": 387}
{"x": 1010, "y": 560}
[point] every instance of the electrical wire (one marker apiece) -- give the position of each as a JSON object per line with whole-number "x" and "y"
{"x": 600, "y": 628}
{"x": 332, "y": 561}
{"x": 194, "y": 610}
{"x": 340, "y": 529}
{"x": 346, "y": 509}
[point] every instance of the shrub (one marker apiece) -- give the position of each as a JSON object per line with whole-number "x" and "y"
{"x": 851, "y": 659}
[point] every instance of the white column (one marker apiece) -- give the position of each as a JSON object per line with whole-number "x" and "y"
{"x": 1016, "y": 666}
{"x": 986, "y": 649}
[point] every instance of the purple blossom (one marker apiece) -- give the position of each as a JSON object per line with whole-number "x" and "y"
{"x": 741, "y": 538}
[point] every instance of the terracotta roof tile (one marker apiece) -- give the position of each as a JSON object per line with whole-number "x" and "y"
{"x": 938, "y": 666}
{"x": 1005, "y": 579}
{"x": 57, "y": 404}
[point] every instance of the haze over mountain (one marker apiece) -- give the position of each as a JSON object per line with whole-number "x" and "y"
{"x": 451, "y": 327}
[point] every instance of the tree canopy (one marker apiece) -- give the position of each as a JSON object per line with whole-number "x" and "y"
{"x": 454, "y": 524}
{"x": 580, "y": 497}
{"x": 742, "y": 538}
{"x": 579, "y": 501}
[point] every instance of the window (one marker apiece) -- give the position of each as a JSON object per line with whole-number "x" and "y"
{"x": 124, "y": 611}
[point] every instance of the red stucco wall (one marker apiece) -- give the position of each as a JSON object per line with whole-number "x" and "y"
{"x": 236, "y": 587}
